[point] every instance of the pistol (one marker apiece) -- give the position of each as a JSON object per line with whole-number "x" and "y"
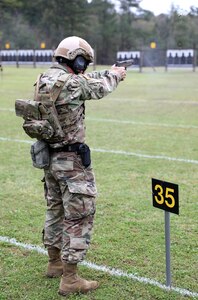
{"x": 125, "y": 63}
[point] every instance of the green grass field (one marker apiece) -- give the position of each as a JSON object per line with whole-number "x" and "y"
{"x": 148, "y": 128}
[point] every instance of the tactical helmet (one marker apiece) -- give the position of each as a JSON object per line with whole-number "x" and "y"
{"x": 72, "y": 47}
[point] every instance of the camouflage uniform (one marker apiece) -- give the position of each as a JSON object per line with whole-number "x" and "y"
{"x": 70, "y": 188}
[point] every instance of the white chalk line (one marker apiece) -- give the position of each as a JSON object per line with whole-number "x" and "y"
{"x": 3, "y": 139}
{"x": 111, "y": 271}
{"x": 190, "y": 161}
{"x": 153, "y": 102}
{"x": 142, "y": 123}
{"x": 128, "y": 122}
{"x": 7, "y": 109}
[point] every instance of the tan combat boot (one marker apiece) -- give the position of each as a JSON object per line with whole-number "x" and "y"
{"x": 71, "y": 283}
{"x": 55, "y": 267}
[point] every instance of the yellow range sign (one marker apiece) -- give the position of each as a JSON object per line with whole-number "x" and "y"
{"x": 165, "y": 195}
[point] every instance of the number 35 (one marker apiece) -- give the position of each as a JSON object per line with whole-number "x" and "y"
{"x": 168, "y": 198}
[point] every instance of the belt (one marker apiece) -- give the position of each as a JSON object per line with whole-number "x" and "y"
{"x": 67, "y": 148}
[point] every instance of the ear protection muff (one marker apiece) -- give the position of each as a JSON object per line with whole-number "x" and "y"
{"x": 80, "y": 64}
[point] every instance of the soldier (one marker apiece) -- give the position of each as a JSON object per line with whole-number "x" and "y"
{"x": 69, "y": 182}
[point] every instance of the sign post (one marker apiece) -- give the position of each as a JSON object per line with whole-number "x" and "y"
{"x": 166, "y": 197}
{"x": 167, "y": 244}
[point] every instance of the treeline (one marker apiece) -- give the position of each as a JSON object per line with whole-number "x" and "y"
{"x": 108, "y": 28}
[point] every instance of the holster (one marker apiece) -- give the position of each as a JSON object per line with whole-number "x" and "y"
{"x": 85, "y": 154}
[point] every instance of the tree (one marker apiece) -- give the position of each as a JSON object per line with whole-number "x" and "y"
{"x": 103, "y": 30}
{"x": 108, "y": 28}
{"x": 126, "y": 20}
{"x": 8, "y": 8}
{"x": 56, "y": 19}
{"x": 162, "y": 30}
{"x": 193, "y": 25}
{"x": 178, "y": 29}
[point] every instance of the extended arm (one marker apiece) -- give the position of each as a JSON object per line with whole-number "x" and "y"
{"x": 99, "y": 84}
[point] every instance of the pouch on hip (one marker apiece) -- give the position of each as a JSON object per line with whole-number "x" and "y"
{"x": 40, "y": 155}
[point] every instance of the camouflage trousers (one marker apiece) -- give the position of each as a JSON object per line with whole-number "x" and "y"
{"x": 70, "y": 192}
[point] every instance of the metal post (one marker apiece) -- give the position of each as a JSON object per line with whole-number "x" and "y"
{"x": 141, "y": 60}
{"x": 34, "y": 58}
{"x": 167, "y": 242}
{"x": 166, "y": 61}
{"x": 194, "y": 60}
{"x": 95, "y": 59}
{"x": 17, "y": 58}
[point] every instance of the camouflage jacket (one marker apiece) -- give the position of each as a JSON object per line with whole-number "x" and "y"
{"x": 71, "y": 100}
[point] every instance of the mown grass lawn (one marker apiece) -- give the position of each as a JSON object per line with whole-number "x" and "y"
{"x": 146, "y": 129}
